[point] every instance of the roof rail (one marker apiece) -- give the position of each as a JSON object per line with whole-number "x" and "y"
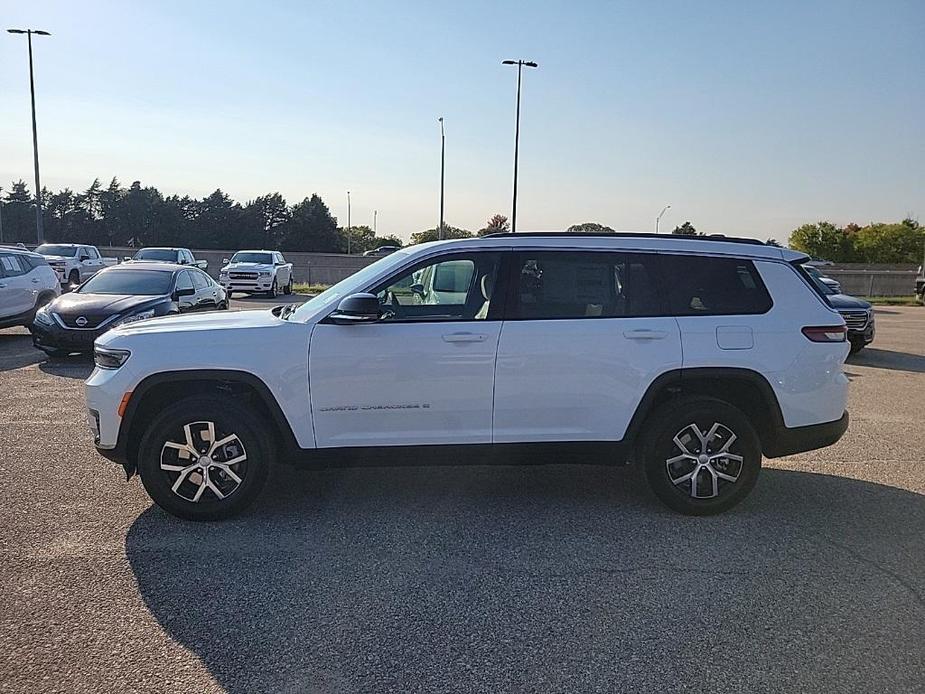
{"x": 629, "y": 234}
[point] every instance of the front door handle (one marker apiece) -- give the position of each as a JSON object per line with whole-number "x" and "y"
{"x": 35, "y": 280}
{"x": 464, "y": 337}
{"x": 645, "y": 334}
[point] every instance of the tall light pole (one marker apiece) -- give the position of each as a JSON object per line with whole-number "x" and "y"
{"x": 1, "y": 215}
{"x": 375, "y": 216}
{"x": 348, "y": 222}
{"x": 520, "y": 66}
{"x": 440, "y": 229}
{"x": 39, "y": 230}
{"x": 659, "y": 218}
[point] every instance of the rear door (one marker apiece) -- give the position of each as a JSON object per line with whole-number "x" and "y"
{"x": 205, "y": 293}
{"x": 585, "y": 333}
{"x": 188, "y": 302}
{"x": 16, "y": 289}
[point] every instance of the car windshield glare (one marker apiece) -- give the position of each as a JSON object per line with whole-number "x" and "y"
{"x": 54, "y": 249}
{"x": 264, "y": 258}
{"x": 143, "y": 282}
{"x": 156, "y": 254}
{"x": 355, "y": 283}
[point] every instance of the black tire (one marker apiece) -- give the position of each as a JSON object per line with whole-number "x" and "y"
{"x": 73, "y": 280}
{"x": 228, "y": 417}
{"x": 288, "y": 288}
{"x": 274, "y": 290}
{"x": 856, "y": 346}
{"x": 667, "y": 480}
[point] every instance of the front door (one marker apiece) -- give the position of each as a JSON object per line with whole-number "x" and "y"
{"x": 584, "y": 336}
{"x": 424, "y": 374}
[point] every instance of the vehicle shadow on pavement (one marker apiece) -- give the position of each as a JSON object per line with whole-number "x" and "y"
{"x": 888, "y": 359}
{"x": 553, "y": 578}
{"x": 16, "y": 351}
{"x": 69, "y": 367}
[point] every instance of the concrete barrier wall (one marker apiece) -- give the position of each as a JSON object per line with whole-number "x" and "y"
{"x": 873, "y": 282}
{"x": 311, "y": 268}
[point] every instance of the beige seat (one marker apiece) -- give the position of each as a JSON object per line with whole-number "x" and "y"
{"x": 487, "y": 286}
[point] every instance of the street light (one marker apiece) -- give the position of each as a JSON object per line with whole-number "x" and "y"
{"x": 39, "y": 230}
{"x": 375, "y": 217}
{"x": 659, "y": 218}
{"x": 520, "y": 65}
{"x": 440, "y": 232}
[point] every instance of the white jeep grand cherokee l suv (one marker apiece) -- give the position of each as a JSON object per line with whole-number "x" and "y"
{"x": 693, "y": 357}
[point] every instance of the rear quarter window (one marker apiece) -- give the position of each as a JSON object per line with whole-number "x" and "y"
{"x": 705, "y": 286}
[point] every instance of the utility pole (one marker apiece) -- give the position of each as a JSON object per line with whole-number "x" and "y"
{"x": 39, "y": 227}
{"x": 659, "y": 218}
{"x": 441, "y": 234}
{"x": 375, "y": 215}
{"x": 520, "y": 65}
{"x": 348, "y": 222}
{"x": 1, "y": 215}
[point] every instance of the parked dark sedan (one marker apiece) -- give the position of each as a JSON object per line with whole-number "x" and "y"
{"x": 120, "y": 295}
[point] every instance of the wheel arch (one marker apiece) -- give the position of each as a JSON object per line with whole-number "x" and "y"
{"x": 159, "y": 390}
{"x": 745, "y": 389}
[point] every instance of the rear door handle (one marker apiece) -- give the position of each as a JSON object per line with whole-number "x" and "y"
{"x": 35, "y": 280}
{"x": 464, "y": 337}
{"x": 645, "y": 334}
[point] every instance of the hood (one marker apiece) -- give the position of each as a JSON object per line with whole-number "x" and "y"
{"x": 57, "y": 258}
{"x": 201, "y": 322}
{"x": 76, "y": 303}
{"x": 844, "y": 301}
{"x": 249, "y": 267}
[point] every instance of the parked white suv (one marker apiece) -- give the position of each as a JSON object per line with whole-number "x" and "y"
{"x": 691, "y": 356}
{"x": 265, "y": 272}
{"x": 27, "y": 283}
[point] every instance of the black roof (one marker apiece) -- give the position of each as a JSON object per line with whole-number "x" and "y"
{"x": 630, "y": 234}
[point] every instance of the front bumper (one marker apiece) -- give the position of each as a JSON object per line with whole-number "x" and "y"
{"x": 54, "y": 337}
{"x": 865, "y": 336}
{"x": 261, "y": 285}
{"x": 791, "y": 440}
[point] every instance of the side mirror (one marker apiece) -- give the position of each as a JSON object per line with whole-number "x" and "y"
{"x": 224, "y": 261}
{"x": 186, "y": 291}
{"x": 357, "y": 308}
{"x": 126, "y": 258}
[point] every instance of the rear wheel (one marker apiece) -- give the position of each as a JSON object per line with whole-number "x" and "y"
{"x": 288, "y": 289}
{"x": 73, "y": 280}
{"x": 205, "y": 458}
{"x": 701, "y": 455}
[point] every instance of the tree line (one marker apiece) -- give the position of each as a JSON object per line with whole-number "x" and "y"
{"x": 142, "y": 216}
{"x": 877, "y": 242}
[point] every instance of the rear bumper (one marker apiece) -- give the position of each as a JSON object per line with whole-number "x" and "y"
{"x": 787, "y": 440}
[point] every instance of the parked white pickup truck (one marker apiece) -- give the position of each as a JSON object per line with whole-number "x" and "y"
{"x": 256, "y": 272}
{"x": 74, "y": 263}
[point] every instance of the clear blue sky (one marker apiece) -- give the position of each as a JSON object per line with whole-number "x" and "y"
{"x": 747, "y": 117}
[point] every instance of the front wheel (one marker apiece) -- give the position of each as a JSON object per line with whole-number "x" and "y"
{"x": 701, "y": 455}
{"x": 274, "y": 290}
{"x": 205, "y": 458}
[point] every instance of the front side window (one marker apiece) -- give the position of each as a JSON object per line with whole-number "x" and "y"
{"x": 456, "y": 288}
{"x": 554, "y": 285}
{"x": 184, "y": 281}
{"x": 701, "y": 285}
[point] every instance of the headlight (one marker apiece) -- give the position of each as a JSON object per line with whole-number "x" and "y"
{"x": 43, "y": 316}
{"x": 135, "y": 317}
{"x": 265, "y": 274}
{"x": 223, "y": 275}
{"x": 110, "y": 358}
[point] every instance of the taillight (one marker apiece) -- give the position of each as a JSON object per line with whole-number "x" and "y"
{"x": 826, "y": 333}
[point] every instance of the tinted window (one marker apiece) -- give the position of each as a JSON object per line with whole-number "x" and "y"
{"x": 12, "y": 266}
{"x": 144, "y": 282}
{"x": 264, "y": 258}
{"x": 164, "y": 254}
{"x": 199, "y": 280}
{"x": 56, "y": 249}
{"x": 699, "y": 286}
{"x": 458, "y": 288}
{"x": 184, "y": 281}
{"x": 93, "y": 254}
{"x": 552, "y": 285}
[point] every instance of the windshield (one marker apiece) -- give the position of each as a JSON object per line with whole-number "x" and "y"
{"x": 816, "y": 277}
{"x": 355, "y": 283}
{"x": 155, "y": 254}
{"x": 55, "y": 249}
{"x": 264, "y": 258}
{"x": 143, "y": 282}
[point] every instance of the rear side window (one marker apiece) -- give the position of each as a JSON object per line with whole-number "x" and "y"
{"x": 704, "y": 286}
{"x": 13, "y": 266}
{"x": 199, "y": 280}
{"x": 555, "y": 285}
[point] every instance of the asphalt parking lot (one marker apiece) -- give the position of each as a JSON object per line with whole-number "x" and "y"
{"x": 547, "y": 578}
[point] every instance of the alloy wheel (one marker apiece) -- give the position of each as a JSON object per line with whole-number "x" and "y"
{"x": 205, "y": 463}
{"x": 705, "y": 463}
